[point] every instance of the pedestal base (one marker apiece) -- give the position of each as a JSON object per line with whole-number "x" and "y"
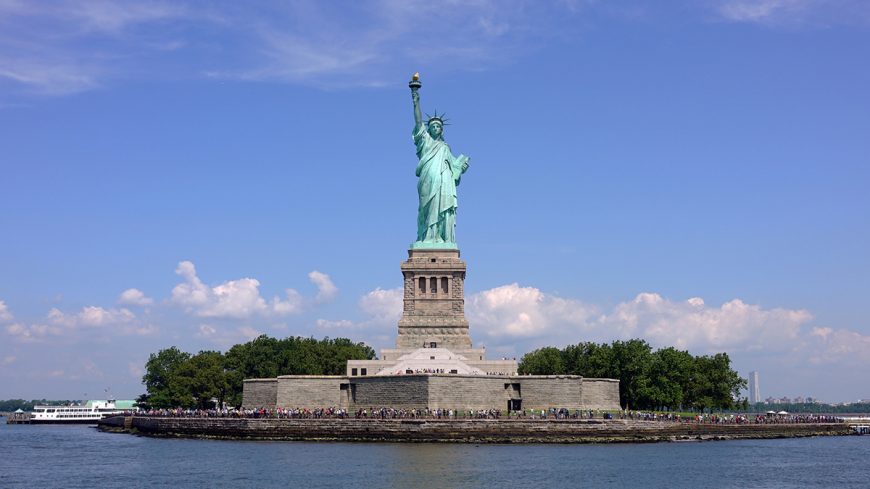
{"x": 433, "y": 315}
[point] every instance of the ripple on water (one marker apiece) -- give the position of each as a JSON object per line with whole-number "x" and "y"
{"x": 81, "y": 456}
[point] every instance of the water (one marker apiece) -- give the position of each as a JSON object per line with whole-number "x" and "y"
{"x": 81, "y": 456}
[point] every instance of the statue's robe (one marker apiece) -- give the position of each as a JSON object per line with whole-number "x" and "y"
{"x": 439, "y": 173}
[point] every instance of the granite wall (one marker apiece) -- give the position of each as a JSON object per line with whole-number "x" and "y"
{"x": 551, "y": 391}
{"x": 311, "y": 391}
{"x": 401, "y": 391}
{"x": 465, "y": 392}
{"x": 259, "y": 393}
{"x": 601, "y": 394}
{"x": 444, "y": 391}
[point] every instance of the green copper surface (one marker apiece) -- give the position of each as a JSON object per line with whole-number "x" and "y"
{"x": 439, "y": 173}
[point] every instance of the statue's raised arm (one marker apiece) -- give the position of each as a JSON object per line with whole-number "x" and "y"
{"x": 439, "y": 173}
{"x": 415, "y": 96}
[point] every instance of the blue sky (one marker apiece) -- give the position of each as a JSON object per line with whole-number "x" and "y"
{"x": 197, "y": 173}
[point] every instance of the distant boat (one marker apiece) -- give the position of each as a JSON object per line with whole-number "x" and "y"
{"x": 89, "y": 413}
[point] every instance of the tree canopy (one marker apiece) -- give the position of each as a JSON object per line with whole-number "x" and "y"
{"x": 174, "y": 378}
{"x": 665, "y": 378}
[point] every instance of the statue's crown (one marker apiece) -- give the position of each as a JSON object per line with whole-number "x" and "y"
{"x": 440, "y": 118}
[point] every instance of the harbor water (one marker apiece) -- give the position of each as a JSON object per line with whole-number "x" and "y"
{"x": 81, "y": 456}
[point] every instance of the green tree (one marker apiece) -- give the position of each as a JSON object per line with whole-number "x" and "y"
{"x": 203, "y": 378}
{"x": 162, "y": 379}
{"x": 589, "y": 360}
{"x": 544, "y": 361}
{"x": 665, "y": 378}
{"x": 266, "y": 357}
{"x": 631, "y": 361}
{"x": 670, "y": 371}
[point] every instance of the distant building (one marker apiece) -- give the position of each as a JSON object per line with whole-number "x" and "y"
{"x": 754, "y": 390}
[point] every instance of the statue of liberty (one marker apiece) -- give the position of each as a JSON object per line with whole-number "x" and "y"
{"x": 439, "y": 172}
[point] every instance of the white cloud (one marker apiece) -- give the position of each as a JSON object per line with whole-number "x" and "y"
{"x": 101, "y": 15}
{"x": 383, "y": 304}
{"x": 249, "y": 333}
{"x": 519, "y": 319}
{"x": 60, "y": 323}
{"x": 7, "y": 360}
{"x": 794, "y": 12}
{"x": 32, "y": 332}
{"x": 231, "y": 299}
{"x": 326, "y": 290}
{"x": 134, "y": 297}
{"x": 91, "y": 316}
{"x": 339, "y": 324}
{"x": 692, "y": 324}
{"x": 206, "y": 330}
{"x": 514, "y": 311}
{"x": 838, "y": 346}
{"x": 63, "y": 47}
{"x": 5, "y": 315}
{"x": 383, "y": 308}
{"x": 227, "y": 337}
{"x": 140, "y": 330}
{"x": 761, "y": 10}
{"x": 136, "y": 370}
{"x": 66, "y": 46}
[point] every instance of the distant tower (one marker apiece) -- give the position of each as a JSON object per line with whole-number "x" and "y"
{"x": 754, "y": 391}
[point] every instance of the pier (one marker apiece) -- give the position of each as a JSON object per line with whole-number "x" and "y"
{"x": 17, "y": 418}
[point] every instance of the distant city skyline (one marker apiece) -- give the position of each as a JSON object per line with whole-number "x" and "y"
{"x": 180, "y": 174}
{"x": 754, "y": 388}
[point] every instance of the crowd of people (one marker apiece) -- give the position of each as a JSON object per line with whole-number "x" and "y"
{"x": 438, "y": 413}
{"x": 769, "y": 418}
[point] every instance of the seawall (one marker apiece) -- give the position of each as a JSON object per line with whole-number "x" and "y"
{"x": 459, "y": 430}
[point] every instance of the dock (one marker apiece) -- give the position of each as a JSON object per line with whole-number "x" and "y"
{"x": 17, "y": 418}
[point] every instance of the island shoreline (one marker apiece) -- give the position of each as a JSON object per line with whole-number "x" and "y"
{"x": 496, "y": 431}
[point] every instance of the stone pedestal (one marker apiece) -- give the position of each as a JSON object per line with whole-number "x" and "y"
{"x": 434, "y": 301}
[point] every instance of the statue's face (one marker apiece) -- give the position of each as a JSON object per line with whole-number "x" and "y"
{"x": 435, "y": 129}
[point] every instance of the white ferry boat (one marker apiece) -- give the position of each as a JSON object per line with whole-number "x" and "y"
{"x": 89, "y": 413}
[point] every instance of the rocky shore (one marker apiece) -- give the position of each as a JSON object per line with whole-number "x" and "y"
{"x": 459, "y": 430}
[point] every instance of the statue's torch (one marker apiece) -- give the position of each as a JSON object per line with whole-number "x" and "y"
{"x": 415, "y": 84}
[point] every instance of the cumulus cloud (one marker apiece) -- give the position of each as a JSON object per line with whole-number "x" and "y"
{"x": 326, "y": 290}
{"x": 383, "y": 307}
{"x": 32, "y": 332}
{"x": 339, "y": 324}
{"x": 206, "y": 330}
{"x": 511, "y": 311}
{"x": 92, "y": 316}
{"x": 514, "y": 311}
{"x": 5, "y": 315}
{"x": 231, "y": 299}
{"x": 838, "y": 346}
{"x": 692, "y": 324}
{"x": 140, "y": 330}
{"x": 134, "y": 297}
{"x": 383, "y": 304}
{"x": 59, "y": 323}
{"x": 227, "y": 336}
